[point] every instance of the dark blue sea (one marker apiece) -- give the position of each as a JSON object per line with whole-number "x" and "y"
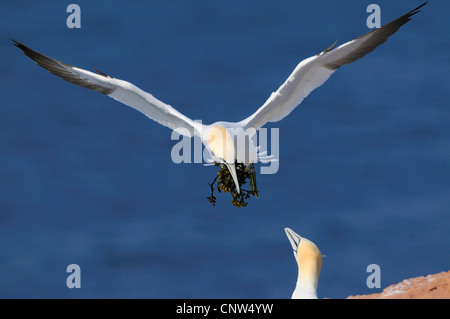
{"x": 364, "y": 161}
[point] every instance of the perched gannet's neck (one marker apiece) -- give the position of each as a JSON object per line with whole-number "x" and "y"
{"x": 309, "y": 260}
{"x": 302, "y": 292}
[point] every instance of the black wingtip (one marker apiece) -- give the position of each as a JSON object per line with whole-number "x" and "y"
{"x": 15, "y": 42}
{"x": 11, "y": 37}
{"x": 422, "y": 4}
{"x": 25, "y": 50}
{"x": 416, "y": 10}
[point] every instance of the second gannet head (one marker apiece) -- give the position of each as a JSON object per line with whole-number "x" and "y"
{"x": 221, "y": 143}
{"x": 309, "y": 261}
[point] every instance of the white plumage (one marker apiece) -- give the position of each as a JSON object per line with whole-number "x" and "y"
{"x": 309, "y": 262}
{"x": 307, "y": 76}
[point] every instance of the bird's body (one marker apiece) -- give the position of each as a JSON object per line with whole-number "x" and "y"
{"x": 220, "y": 137}
{"x": 309, "y": 262}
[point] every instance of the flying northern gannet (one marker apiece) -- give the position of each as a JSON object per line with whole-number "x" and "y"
{"x": 218, "y": 137}
{"x": 309, "y": 262}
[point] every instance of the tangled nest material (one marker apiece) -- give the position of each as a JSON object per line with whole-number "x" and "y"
{"x": 225, "y": 184}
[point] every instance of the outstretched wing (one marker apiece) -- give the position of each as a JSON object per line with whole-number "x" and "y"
{"x": 314, "y": 71}
{"x": 120, "y": 90}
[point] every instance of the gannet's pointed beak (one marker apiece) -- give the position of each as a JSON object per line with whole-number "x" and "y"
{"x": 221, "y": 144}
{"x": 294, "y": 239}
{"x": 232, "y": 170}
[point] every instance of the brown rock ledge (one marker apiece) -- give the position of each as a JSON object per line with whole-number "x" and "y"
{"x": 435, "y": 286}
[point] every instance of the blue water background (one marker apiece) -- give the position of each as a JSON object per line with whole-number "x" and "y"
{"x": 364, "y": 161}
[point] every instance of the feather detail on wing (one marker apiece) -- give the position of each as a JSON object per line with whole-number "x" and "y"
{"x": 314, "y": 71}
{"x": 120, "y": 90}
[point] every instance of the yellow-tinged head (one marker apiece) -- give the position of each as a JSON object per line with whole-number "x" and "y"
{"x": 221, "y": 143}
{"x": 309, "y": 261}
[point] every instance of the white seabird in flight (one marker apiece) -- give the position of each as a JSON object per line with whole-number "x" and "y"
{"x": 219, "y": 137}
{"x": 309, "y": 262}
